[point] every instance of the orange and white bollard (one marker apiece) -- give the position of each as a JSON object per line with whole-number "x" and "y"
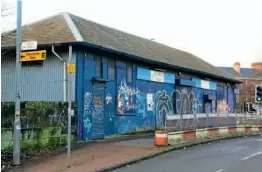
{"x": 161, "y": 138}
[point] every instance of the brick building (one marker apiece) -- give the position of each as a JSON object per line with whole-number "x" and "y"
{"x": 250, "y": 77}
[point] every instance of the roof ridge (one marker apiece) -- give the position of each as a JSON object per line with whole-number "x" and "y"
{"x": 227, "y": 73}
{"x": 125, "y": 32}
{"x": 155, "y": 42}
{"x": 71, "y": 25}
{"x": 34, "y": 22}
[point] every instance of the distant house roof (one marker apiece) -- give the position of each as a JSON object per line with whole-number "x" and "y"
{"x": 65, "y": 27}
{"x": 244, "y": 73}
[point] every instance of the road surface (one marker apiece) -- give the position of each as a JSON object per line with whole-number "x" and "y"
{"x": 236, "y": 155}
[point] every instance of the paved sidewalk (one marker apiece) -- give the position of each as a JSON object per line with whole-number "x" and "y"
{"x": 96, "y": 156}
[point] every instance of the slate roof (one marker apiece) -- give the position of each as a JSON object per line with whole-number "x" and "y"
{"x": 244, "y": 73}
{"x": 56, "y": 30}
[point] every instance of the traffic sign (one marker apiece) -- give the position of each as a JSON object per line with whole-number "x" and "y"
{"x": 30, "y": 45}
{"x": 33, "y": 55}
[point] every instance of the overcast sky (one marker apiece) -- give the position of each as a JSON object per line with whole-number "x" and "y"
{"x": 218, "y": 31}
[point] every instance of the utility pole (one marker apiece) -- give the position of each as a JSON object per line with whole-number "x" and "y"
{"x": 69, "y": 105}
{"x": 17, "y": 122}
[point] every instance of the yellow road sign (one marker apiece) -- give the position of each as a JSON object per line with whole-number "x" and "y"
{"x": 71, "y": 68}
{"x": 33, "y": 55}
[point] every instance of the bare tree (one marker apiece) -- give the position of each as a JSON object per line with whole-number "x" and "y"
{"x": 246, "y": 94}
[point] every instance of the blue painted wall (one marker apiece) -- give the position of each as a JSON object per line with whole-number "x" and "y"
{"x": 140, "y": 103}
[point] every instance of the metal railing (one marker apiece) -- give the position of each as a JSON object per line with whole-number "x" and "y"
{"x": 176, "y": 122}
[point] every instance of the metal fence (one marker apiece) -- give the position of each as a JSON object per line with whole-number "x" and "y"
{"x": 40, "y": 127}
{"x": 209, "y": 120}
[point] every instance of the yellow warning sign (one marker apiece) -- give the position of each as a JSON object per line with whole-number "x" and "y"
{"x": 71, "y": 68}
{"x": 32, "y": 55}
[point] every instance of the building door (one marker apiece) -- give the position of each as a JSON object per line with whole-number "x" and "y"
{"x": 98, "y": 128}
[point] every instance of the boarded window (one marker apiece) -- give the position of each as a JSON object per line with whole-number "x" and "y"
{"x": 129, "y": 73}
{"x": 98, "y": 66}
{"x": 111, "y": 69}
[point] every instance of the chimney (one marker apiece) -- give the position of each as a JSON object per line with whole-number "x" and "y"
{"x": 257, "y": 66}
{"x": 237, "y": 67}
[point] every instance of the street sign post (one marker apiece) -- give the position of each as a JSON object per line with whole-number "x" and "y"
{"x": 70, "y": 70}
{"x": 30, "y": 45}
{"x": 33, "y": 55}
{"x": 17, "y": 122}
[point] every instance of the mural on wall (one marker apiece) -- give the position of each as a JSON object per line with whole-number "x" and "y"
{"x": 222, "y": 106}
{"x": 125, "y": 98}
{"x": 87, "y": 111}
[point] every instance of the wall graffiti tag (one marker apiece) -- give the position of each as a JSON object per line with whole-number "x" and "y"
{"x": 87, "y": 103}
{"x": 109, "y": 98}
{"x": 163, "y": 107}
{"x": 87, "y": 111}
{"x": 185, "y": 103}
{"x": 58, "y": 118}
{"x": 87, "y": 124}
{"x": 97, "y": 110}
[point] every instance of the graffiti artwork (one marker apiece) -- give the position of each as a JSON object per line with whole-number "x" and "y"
{"x": 222, "y": 106}
{"x": 87, "y": 111}
{"x": 150, "y": 102}
{"x": 187, "y": 102}
{"x": 87, "y": 103}
{"x": 58, "y": 118}
{"x": 196, "y": 105}
{"x": 125, "y": 99}
{"x": 184, "y": 101}
{"x": 108, "y": 99}
{"x": 97, "y": 110}
{"x": 87, "y": 124}
{"x": 163, "y": 107}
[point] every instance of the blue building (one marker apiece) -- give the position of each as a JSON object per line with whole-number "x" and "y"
{"x": 123, "y": 83}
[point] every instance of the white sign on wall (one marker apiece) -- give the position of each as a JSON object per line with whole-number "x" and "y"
{"x": 157, "y": 76}
{"x": 205, "y": 84}
{"x": 30, "y": 45}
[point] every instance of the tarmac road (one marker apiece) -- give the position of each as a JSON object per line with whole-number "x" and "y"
{"x": 236, "y": 155}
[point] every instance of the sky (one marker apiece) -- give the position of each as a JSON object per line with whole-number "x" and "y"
{"x": 220, "y": 32}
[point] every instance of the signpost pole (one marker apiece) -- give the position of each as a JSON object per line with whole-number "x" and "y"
{"x": 69, "y": 106}
{"x": 17, "y": 123}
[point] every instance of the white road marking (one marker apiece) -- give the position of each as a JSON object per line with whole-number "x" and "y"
{"x": 220, "y": 170}
{"x": 255, "y": 154}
